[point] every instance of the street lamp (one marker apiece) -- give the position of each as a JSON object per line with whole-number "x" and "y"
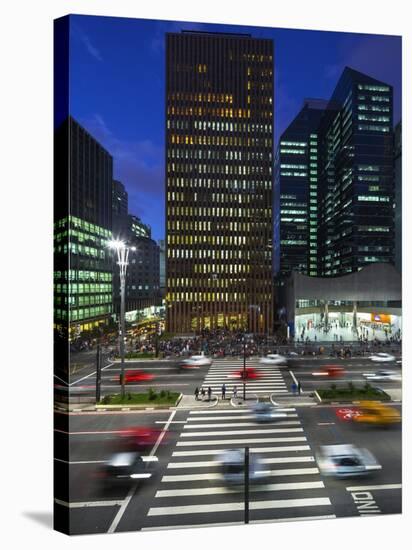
{"x": 122, "y": 251}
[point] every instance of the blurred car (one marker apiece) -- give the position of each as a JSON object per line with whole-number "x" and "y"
{"x": 137, "y": 376}
{"x": 273, "y": 359}
{"x": 266, "y": 412}
{"x": 128, "y": 466}
{"x": 138, "y": 438}
{"x": 383, "y": 376}
{"x": 331, "y": 371}
{"x": 232, "y": 463}
{"x": 196, "y": 361}
{"x": 250, "y": 373}
{"x": 376, "y": 413}
{"x": 382, "y": 357}
{"x": 346, "y": 461}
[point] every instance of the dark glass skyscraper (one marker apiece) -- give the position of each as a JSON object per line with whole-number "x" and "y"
{"x": 356, "y": 180}
{"x": 335, "y": 182}
{"x": 83, "y": 225}
{"x": 398, "y": 195}
{"x": 219, "y": 138}
{"x": 296, "y": 193}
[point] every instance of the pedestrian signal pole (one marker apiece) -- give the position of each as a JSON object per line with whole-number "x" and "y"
{"x": 246, "y": 484}
{"x": 98, "y": 373}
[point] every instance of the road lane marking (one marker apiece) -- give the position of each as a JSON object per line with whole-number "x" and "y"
{"x": 91, "y": 374}
{"x": 235, "y": 506}
{"x": 232, "y": 523}
{"x": 132, "y": 491}
{"x": 303, "y": 485}
{"x": 215, "y": 463}
{"x": 375, "y": 487}
{"x": 235, "y": 411}
{"x": 228, "y": 425}
{"x": 326, "y": 423}
{"x": 88, "y": 504}
{"x": 240, "y": 441}
{"x": 252, "y": 450}
{"x": 242, "y": 432}
{"x": 211, "y": 476}
{"x": 80, "y": 461}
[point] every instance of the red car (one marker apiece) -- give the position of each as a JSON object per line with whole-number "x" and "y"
{"x": 250, "y": 373}
{"x": 140, "y": 437}
{"x": 137, "y": 376}
{"x": 334, "y": 371}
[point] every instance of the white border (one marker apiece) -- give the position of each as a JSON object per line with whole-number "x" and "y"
{"x": 26, "y": 213}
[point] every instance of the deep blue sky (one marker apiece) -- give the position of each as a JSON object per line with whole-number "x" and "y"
{"x": 117, "y": 88}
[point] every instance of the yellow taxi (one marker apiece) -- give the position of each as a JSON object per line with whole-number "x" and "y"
{"x": 374, "y": 412}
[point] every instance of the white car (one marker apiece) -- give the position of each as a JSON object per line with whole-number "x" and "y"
{"x": 232, "y": 466}
{"x": 197, "y": 361}
{"x": 383, "y": 376}
{"x": 273, "y": 359}
{"x": 346, "y": 461}
{"x": 382, "y": 357}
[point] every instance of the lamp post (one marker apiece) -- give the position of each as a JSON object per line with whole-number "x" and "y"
{"x": 122, "y": 251}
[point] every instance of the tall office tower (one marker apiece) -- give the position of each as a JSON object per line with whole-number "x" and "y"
{"x": 83, "y": 225}
{"x": 357, "y": 176}
{"x": 296, "y": 193}
{"x": 120, "y": 199}
{"x": 398, "y": 195}
{"x": 219, "y": 138}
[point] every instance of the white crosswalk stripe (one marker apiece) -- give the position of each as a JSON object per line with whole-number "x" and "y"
{"x": 215, "y": 464}
{"x": 237, "y": 424}
{"x": 260, "y": 450}
{"x": 242, "y": 432}
{"x": 242, "y": 442}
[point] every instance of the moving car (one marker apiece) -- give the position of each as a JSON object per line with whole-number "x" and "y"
{"x": 266, "y": 412}
{"x": 330, "y": 371}
{"x": 273, "y": 359}
{"x": 137, "y": 376}
{"x": 196, "y": 361}
{"x": 376, "y": 413}
{"x": 232, "y": 463}
{"x": 382, "y": 357}
{"x": 128, "y": 466}
{"x": 139, "y": 438}
{"x": 383, "y": 376}
{"x": 346, "y": 461}
{"x": 250, "y": 373}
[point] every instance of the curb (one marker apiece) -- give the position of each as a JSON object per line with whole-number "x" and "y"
{"x": 238, "y": 406}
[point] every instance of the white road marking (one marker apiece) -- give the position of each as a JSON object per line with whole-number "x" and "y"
{"x": 374, "y": 487}
{"x": 252, "y": 450}
{"x": 245, "y": 417}
{"x": 211, "y": 476}
{"x": 89, "y": 504}
{"x": 132, "y": 491}
{"x": 242, "y": 432}
{"x": 228, "y": 425}
{"x": 91, "y": 374}
{"x": 234, "y": 506}
{"x": 244, "y": 441}
{"x": 215, "y": 463}
{"x": 230, "y": 490}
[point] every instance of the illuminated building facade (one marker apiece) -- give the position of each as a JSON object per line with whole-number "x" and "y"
{"x": 398, "y": 195}
{"x": 219, "y": 181}
{"x": 296, "y": 193}
{"x": 83, "y": 266}
{"x": 356, "y": 176}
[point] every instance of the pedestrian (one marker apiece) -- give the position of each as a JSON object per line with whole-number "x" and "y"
{"x": 197, "y": 393}
{"x": 293, "y": 388}
{"x": 202, "y": 393}
{"x": 209, "y": 392}
{"x": 299, "y": 388}
{"x": 224, "y": 391}
{"x": 234, "y": 392}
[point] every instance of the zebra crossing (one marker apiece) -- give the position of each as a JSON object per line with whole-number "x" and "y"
{"x": 192, "y": 491}
{"x": 222, "y": 371}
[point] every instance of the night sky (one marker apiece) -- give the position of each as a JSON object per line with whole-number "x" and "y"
{"x": 117, "y": 88}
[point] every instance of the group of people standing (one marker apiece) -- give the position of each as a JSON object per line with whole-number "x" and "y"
{"x": 202, "y": 392}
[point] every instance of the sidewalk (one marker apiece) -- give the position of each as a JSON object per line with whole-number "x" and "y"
{"x": 189, "y": 402}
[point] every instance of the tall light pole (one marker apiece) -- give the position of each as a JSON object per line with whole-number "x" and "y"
{"x": 122, "y": 251}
